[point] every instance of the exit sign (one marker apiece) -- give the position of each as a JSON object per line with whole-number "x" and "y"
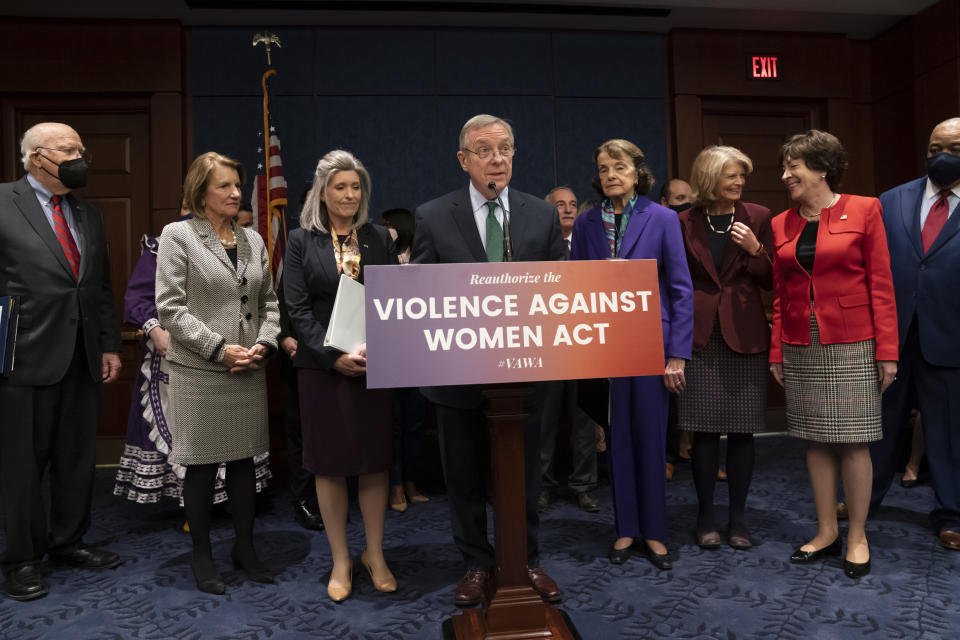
{"x": 764, "y": 67}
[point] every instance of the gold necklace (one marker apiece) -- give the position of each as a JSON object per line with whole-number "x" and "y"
{"x": 813, "y": 216}
{"x": 718, "y": 231}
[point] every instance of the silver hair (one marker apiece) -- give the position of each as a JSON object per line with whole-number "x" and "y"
{"x": 32, "y": 138}
{"x": 314, "y": 215}
{"x": 482, "y": 120}
{"x": 558, "y": 188}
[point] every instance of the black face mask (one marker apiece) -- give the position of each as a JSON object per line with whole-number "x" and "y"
{"x": 943, "y": 168}
{"x": 72, "y": 173}
{"x": 680, "y": 207}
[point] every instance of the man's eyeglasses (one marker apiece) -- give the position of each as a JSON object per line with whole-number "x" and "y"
{"x": 484, "y": 152}
{"x": 70, "y": 152}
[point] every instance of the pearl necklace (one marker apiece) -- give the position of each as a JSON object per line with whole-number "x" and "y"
{"x": 720, "y": 232}
{"x": 229, "y": 244}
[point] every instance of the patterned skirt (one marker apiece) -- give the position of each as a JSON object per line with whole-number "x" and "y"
{"x": 217, "y": 416}
{"x": 726, "y": 391}
{"x": 144, "y": 474}
{"x": 832, "y": 390}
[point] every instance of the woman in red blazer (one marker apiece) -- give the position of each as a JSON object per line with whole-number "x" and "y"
{"x": 834, "y": 339}
{"x": 725, "y": 240}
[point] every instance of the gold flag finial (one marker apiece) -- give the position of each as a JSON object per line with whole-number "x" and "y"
{"x": 266, "y": 38}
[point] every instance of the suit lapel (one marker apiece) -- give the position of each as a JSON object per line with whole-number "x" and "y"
{"x": 462, "y": 210}
{"x": 910, "y": 201}
{"x": 700, "y": 244}
{"x": 515, "y": 204}
{"x": 244, "y": 251}
{"x": 210, "y": 239}
{"x": 731, "y": 251}
{"x": 26, "y": 201}
{"x": 325, "y": 253}
{"x": 638, "y": 220}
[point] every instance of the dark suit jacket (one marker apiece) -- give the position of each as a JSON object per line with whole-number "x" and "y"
{"x": 310, "y": 282}
{"x": 927, "y": 285}
{"x": 33, "y": 266}
{"x": 851, "y": 281}
{"x": 734, "y": 293}
{"x": 447, "y": 232}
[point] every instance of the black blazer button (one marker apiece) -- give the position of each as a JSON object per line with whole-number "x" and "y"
{"x": 248, "y": 316}
{"x": 244, "y": 281}
{"x": 244, "y": 299}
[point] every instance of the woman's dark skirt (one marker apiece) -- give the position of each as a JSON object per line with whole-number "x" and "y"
{"x": 347, "y": 428}
{"x": 832, "y": 390}
{"x": 726, "y": 391}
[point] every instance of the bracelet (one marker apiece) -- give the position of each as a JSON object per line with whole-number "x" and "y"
{"x": 760, "y": 250}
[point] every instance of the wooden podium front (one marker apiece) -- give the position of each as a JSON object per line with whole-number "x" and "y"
{"x": 513, "y": 610}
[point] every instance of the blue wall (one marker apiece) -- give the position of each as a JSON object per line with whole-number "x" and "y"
{"x": 397, "y": 98}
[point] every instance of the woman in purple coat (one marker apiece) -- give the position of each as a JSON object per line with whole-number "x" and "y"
{"x": 627, "y": 225}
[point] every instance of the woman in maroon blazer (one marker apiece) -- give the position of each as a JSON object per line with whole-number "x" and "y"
{"x": 726, "y": 242}
{"x": 834, "y": 338}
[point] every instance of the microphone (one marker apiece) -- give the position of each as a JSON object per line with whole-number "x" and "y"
{"x": 507, "y": 242}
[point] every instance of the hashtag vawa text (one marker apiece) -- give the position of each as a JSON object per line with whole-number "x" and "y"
{"x": 520, "y": 334}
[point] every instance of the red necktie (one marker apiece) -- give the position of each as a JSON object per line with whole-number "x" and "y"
{"x": 935, "y": 220}
{"x": 66, "y": 238}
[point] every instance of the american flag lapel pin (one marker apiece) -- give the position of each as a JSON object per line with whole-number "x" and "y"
{"x": 843, "y": 217}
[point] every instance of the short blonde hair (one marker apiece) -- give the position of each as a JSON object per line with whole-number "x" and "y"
{"x": 707, "y": 168}
{"x": 198, "y": 179}
{"x": 315, "y": 216}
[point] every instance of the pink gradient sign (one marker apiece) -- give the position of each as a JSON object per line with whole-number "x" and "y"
{"x": 480, "y": 323}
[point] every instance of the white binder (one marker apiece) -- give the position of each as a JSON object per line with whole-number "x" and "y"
{"x": 347, "y": 329}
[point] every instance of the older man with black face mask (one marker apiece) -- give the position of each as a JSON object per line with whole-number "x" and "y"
{"x": 53, "y": 255}
{"x": 923, "y": 234}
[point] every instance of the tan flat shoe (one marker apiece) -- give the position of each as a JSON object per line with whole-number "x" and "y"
{"x": 387, "y": 584}
{"x": 413, "y": 494}
{"x": 398, "y": 501}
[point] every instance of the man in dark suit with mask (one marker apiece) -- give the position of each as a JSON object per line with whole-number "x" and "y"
{"x": 923, "y": 233}
{"x": 53, "y": 255}
{"x": 467, "y": 226}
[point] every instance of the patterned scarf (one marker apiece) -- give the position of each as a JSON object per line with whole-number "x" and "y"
{"x": 347, "y": 254}
{"x": 615, "y": 236}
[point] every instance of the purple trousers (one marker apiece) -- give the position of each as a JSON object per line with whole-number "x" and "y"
{"x": 638, "y": 431}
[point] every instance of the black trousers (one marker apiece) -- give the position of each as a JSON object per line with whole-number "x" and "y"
{"x": 465, "y": 444}
{"x": 51, "y": 427}
{"x": 935, "y": 391}
{"x": 302, "y": 485}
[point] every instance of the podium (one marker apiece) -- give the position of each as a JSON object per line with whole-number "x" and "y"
{"x": 513, "y": 609}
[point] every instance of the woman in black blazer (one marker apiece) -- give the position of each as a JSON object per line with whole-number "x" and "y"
{"x": 347, "y": 428}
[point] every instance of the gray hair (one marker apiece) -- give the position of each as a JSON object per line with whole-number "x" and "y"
{"x": 479, "y": 121}
{"x": 558, "y": 188}
{"x": 32, "y": 138}
{"x": 314, "y": 215}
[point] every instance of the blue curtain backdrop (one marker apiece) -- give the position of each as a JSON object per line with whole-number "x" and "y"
{"x": 397, "y": 98}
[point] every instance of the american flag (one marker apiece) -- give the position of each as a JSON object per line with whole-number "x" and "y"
{"x": 269, "y": 198}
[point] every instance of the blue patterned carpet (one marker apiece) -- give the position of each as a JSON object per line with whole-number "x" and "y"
{"x": 913, "y": 591}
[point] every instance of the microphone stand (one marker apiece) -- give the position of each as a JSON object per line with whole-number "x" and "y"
{"x": 507, "y": 242}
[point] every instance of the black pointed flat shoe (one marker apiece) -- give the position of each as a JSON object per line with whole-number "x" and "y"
{"x": 803, "y": 557}
{"x": 619, "y": 556}
{"x": 856, "y": 569}
{"x": 662, "y": 561}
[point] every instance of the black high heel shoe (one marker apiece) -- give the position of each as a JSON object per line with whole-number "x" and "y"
{"x": 803, "y": 557}
{"x": 856, "y": 569}
{"x": 207, "y": 577}
{"x": 252, "y": 567}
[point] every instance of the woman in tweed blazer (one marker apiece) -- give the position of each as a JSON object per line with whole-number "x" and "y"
{"x": 214, "y": 296}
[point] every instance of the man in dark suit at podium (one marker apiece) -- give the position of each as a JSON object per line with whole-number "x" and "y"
{"x": 53, "y": 255}
{"x": 467, "y": 226}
